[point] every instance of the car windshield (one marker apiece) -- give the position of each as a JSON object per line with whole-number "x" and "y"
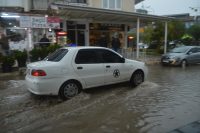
{"x": 179, "y": 50}
{"x": 57, "y": 55}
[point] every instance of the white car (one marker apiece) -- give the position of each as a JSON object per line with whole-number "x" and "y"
{"x": 69, "y": 70}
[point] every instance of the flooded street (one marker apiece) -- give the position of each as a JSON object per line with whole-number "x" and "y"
{"x": 170, "y": 98}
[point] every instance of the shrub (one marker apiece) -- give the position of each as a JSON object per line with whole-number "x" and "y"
{"x": 21, "y": 57}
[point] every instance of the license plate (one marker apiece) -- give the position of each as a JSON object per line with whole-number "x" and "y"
{"x": 165, "y": 61}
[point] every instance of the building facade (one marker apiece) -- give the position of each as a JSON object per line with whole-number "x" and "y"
{"x": 83, "y": 21}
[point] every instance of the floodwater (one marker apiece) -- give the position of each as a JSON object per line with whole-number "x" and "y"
{"x": 170, "y": 98}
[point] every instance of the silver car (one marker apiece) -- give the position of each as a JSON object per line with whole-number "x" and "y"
{"x": 182, "y": 56}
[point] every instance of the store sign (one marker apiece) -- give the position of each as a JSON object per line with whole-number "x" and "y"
{"x": 53, "y": 22}
{"x": 40, "y": 22}
{"x": 25, "y": 21}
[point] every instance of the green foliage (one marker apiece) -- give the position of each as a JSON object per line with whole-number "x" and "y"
{"x": 21, "y": 57}
{"x": 1, "y": 56}
{"x": 40, "y": 53}
{"x": 53, "y": 48}
{"x": 158, "y": 32}
{"x": 176, "y": 29}
{"x": 194, "y": 31}
{"x": 8, "y": 60}
{"x": 35, "y": 54}
{"x": 187, "y": 39}
{"x": 146, "y": 36}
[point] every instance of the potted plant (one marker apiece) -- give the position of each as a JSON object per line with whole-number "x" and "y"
{"x": 35, "y": 54}
{"x": 21, "y": 57}
{"x": 7, "y": 63}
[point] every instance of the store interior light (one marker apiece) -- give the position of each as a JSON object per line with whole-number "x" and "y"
{"x": 130, "y": 37}
{"x": 4, "y": 14}
{"x": 10, "y": 16}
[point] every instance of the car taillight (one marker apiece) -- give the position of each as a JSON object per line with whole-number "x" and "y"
{"x": 38, "y": 73}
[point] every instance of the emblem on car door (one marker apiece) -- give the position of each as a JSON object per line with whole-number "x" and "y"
{"x": 116, "y": 73}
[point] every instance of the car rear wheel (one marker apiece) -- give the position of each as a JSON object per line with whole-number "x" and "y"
{"x": 137, "y": 78}
{"x": 69, "y": 90}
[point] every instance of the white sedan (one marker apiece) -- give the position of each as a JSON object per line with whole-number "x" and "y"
{"x": 69, "y": 70}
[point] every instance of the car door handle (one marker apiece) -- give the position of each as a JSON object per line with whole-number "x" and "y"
{"x": 107, "y": 66}
{"x": 79, "y": 67}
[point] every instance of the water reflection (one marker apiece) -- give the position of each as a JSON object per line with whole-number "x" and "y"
{"x": 169, "y": 99}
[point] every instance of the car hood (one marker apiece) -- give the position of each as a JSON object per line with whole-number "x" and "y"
{"x": 173, "y": 54}
{"x": 134, "y": 62}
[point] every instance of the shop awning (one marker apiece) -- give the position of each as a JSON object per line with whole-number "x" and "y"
{"x": 98, "y": 14}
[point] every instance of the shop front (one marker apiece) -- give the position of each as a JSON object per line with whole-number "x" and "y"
{"x": 104, "y": 23}
{"x": 107, "y": 31}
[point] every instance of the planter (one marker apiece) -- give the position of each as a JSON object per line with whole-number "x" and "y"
{"x": 7, "y": 63}
{"x": 6, "y": 68}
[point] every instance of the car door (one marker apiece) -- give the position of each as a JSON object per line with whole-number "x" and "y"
{"x": 194, "y": 55}
{"x": 198, "y": 55}
{"x": 116, "y": 70}
{"x": 89, "y": 67}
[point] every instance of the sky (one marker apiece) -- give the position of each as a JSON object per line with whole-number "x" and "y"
{"x": 168, "y": 7}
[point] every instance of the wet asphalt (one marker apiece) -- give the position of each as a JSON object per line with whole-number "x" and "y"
{"x": 167, "y": 100}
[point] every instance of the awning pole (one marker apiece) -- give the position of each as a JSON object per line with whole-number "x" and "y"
{"x": 29, "y": 46}
{"x": 138, "y": 37}
{"x": 166, "y": 32}
{"x": 126, "y": 37}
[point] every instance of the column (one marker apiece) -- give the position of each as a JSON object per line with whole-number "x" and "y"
{"x": 87, "y": 34}
{"x": 138, "y": 38}
{"x": 126, "y": 36}
{"x": 29, "y": 43}
{"x": 166, "y": 32}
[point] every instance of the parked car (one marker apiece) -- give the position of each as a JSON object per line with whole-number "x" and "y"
{"x": 69, "y": 70}
{"x": 182, "y": 56}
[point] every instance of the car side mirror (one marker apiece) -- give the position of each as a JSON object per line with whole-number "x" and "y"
{"x": 189, "y": 53}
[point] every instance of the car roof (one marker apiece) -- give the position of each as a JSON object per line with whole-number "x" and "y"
{"x": 189, "y": 46}
{"x": 84, "y": 47}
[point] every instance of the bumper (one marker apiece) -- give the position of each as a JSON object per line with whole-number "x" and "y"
{"x": 170, "y": 62}
{"x": 41, "y": 86}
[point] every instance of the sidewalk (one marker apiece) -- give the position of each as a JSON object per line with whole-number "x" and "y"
{"x": 193, "y": 127}
{"x": 15, "y": 72}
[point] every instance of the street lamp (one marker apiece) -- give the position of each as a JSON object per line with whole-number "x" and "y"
{"x": 195, "y": 9}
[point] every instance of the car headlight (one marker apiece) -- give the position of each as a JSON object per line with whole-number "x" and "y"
{"x": 175, "y": 58}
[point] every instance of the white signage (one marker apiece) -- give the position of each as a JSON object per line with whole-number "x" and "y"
{"x": 25, "y": 21}
{"x": 39, "y": 22}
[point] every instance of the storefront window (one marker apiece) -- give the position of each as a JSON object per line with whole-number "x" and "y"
{"x": 107, "y": 31}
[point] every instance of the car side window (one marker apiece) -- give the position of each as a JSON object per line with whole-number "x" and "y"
{"x": 111, "y": 57}
{"x": 194, "y": 50}
{"x": 87, "y": 56}
{"x": 198, "y": 50}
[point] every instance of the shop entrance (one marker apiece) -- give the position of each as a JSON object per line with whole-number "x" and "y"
{"x": 76, "y": 33}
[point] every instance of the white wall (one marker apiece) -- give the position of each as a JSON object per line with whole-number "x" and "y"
{"x": 26, "y": 4}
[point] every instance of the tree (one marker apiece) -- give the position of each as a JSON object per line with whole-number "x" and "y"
{"x": 176, "y": 29}
{"x": 194, "y": 31}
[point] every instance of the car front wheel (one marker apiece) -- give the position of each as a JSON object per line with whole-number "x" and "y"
{"x": 137, "y": 78}
{"x": 183, "y": 63}
{"x": 69, "y": 90}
